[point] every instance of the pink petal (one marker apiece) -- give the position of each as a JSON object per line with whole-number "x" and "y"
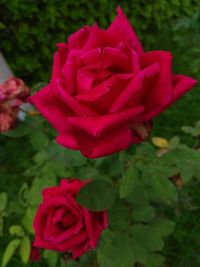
{"x": 91, "y": 57}
{"x": 92, "y": 147}
{"x": 72, "y": 185}
{"x": 69, "y": 140}
{"x": 182, "y": 84}
{"x": 62, "y": 51}
{"x": 160, "y": 89}
{"x": 93, "y": 227}
{"x": 100, "y": 39}
{"x": 117, "y": 140}
{"x": 95, "y": 126}
{"x": 78, "y": 39}
{"x": 106, "y": 92}
{"x": 71, "y": 242}
{"x": 122, "y": 26}
{"x": 70, "y": 101}
{"x": 79, "y": 250}
{"x": 85, "y": 78}
{"x": 56, "y": 70}
{"x": 54, "y": 110}
{"x": 133, "y": 92}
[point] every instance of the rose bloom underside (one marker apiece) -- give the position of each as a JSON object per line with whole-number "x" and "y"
{"x": 105, "y": 90}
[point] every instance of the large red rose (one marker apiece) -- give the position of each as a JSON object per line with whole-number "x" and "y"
{"x": 13, "y": 93}
{"x": 61, "y": 224}
{"x": 104, "y": 87}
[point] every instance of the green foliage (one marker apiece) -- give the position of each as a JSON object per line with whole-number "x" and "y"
{"x": 25, "y": 249}
{"x": 51, "y": 257}
{"x": 9, "y": 251}
{"x": 29, "y": 47}
{"x": 97, "y": 195}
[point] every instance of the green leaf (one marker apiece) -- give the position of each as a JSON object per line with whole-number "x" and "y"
{"x": 115, "y": 250}
{"x": 164, "y": 226}
{"x": 162, "y": 190}
{"x": 128, "y": 181}
{"x": 174, "y": 142}
{"x": 41, "y": 156}
{"x": 51, "y": 257}
{"x": 21, "y": 130}
{"x": 9, "y": 251}
{"x": 143, "y": 213}
{"x": 3, "y": 201}
{"x": 119, "y": 217}
{"x": 23, "y": 194}
{"x": 27, "y": 220}
{"x": 154, "y": 260}
{"x": 190, "y": 130}
{"x": 148, "y": 237}
{"x": 39, "y": 140}
{"x": 70, "y": 157}
{"x": 1, "y": 225}
{"x": 197, "y": 125}
{"x": 25, "y": 249}
{"x": 97, "y": 195}
{"x": 16, "y": 230}
{"x": 158, "y": 184}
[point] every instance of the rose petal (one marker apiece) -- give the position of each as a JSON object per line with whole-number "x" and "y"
{"x": 160, "y": 90}
{"x": 78, "y": 39}
{"x": 121, "y": 26}
{"x": 77, "y": 107}
{"x": 72, "y": 186}
{"x": 133, "y": 91}
{"x": 117, "y": 140}
{"x": 95, "y": 126}
{"x": 62, "y": 51}
{"x": 54, "y": 110}
{"x": 94, "y": 228}
{"x": 71, "y": 242}
{"x": 182, "y": 84}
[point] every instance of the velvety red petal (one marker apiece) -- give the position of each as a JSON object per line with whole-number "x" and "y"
{"x": 133, "y": 92}
{"x": 92, "y": 147}
{"x": 71, "y": 242}
{"x": 69, "y": 140}
{"x": 79, "y": 250}
{"x": 100, "y": 39}
{"x": 73, "y": 230}
{"x": 78, "y": 39}
{"x": 116, "y": 141}
{"x": 181, "y": 85}
{"x": 93, "y": 226}
{"x": 62, "y": 51}
{"x": 95, "y": 126}
{"x": 106, "y": 92}
{"x": 121, "y": 25}
{"x": 72, "y": 185}
{"x": 160, "y": 88}
{"x": 54, "y": 110}
{"x": 70, "y": 101}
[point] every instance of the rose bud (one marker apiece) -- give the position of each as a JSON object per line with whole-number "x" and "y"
{"x": 61, "y": 224}
{"x": 105, "y": 87}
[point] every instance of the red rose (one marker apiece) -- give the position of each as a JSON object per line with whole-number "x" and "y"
{"x": 13, "y": 93}
{"x": 104, "y": 85}
{"x": 61, "y": 224}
